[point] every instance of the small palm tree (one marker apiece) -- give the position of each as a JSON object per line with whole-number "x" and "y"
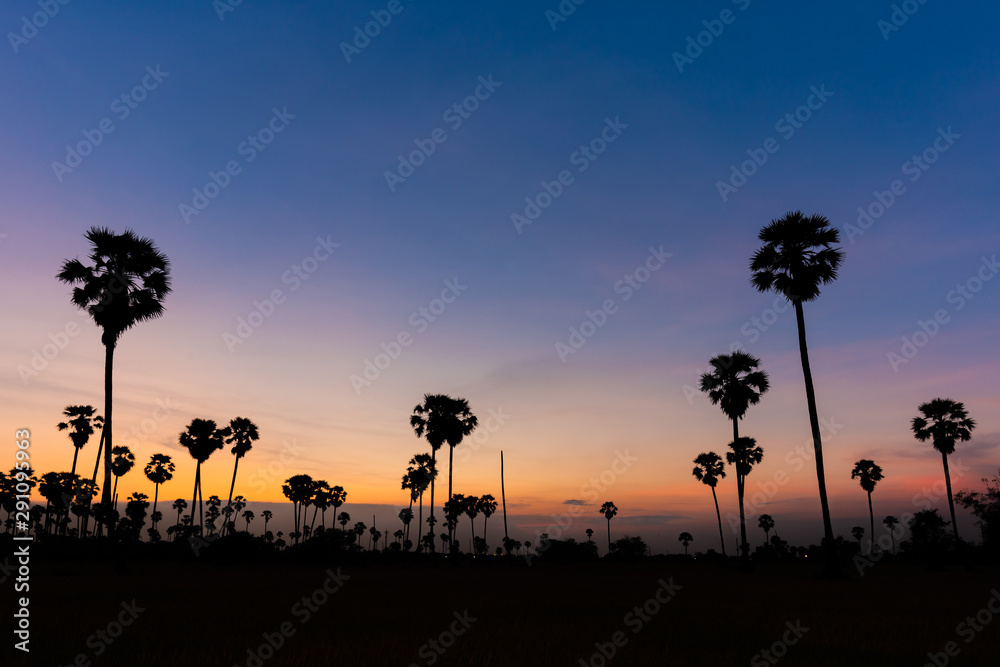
{"x": 343, "y": 519}
{"x": 126, "y": 285}
{"x": 81, "y": 419}
{"x": 201, "y": 439}
{"x": 590, "y": 535}
{"x": 487, "y": 505}
{"x": 266, "y": 515}
{"x": 160, "y": 469}
{"x": 248, "y": 516}
{"x": 337, "y": 498}
{"x": 766, "y": 523}
{"x": 869, "y": 474}
{"x": 422, "y": 473}
{"x": 944, "y": 422}
{"x": 179, "y": 506}
{"x": 890, "y": 522}
{"x": 241, "y": 434}
{"x": 299, "y": 489}
{"x": 609, "y": 511}
{"x": 406, "y": 516}
{"x": 122, "y": 461}
{"x": 744, "y": 456}
{"x": 685, "y": 539}
{"x": 709, "y": 469}
{"x": 858, "y": 532}
{"x": 472, "y": 511}
{"x": 797, "y": 257}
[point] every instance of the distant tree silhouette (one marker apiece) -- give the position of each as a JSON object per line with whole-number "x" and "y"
{"x": 744, "y": 456}
{"x": 869, "y": 474}
{"x": 406, "y": 516}
{"x": 266, "y": 515}
{"x": 248, "y": 516}
{"x": 121, "y": 462}
{"x": 858, "y": 532}
{"x": 298, "y": 489}
{"x": 487, "y": 505}
{"x": 241, "y": 434}
{"x": 443, "y": 419}
{"x": 421, "y": 473}
{"x": 471, "y": 507}
{"x": 944, "y": 422}
{"x": 343, "y": 519}
{"x": 766, "y": 523}
{"x": 590, "y": 535}
{"x": 202, "y": 438}
{"x": 685, "y": 539}
{"x": 709, "y": 469}
{"x": 125, "y": 285}
{"x": 160, "y": 469}
{"x": 890, "y": 522}
{"x": 321, "y": 498}
{"x": 179, "y": 506}
{"x": 81, "y": 420}
{"x": 359, "y": 530}
{"x": 609, "y": 511}
{"x": 797, "y": 257}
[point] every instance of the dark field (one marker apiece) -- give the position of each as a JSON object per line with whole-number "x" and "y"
{"x": 206, "y": 615}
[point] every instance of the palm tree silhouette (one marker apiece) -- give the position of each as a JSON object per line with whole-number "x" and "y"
{"x": 160, "y": 469}
{"x": 735, "y": 383}
{"x": 709, "y": 469}
{"x": 81, "y": 419}
{"x": 359, "y": 530}
{"x": 125, "y": 286}
{"x": 320, "y": 499}
{"x": 343, "y": 519}
{"x": 406, "y": 516}
{"x": 944, "y": 422}
{"x": 122, "y": 461}
{"x": 472, "y": 511}
{"x": 869, "y": 473}
{"x": 744, "y": 456}
{"x": 248, "y": 516}
{"x": 266, "y": 515}
{"x": 241, "y": 434}
{"x": 685, "y": 539}
{"x": 590, "y": 535}
{"x": 202, "y": 438}
{"x": 766, "y": 523}
{"x": 609, "y": 511}
{"x": 797, "y": 257}
{"x": 487, "y": 505}
{"x": 338, "y": 496}
{"x": 443, "y": 419}
{"x": 179, "y": 506}
{"x": 422, "y": 473}
{"x": 858, "y": 532}
{"x": 299, "y": 489}
{"x": 890, "y": 523}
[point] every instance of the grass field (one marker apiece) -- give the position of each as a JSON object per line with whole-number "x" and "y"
{"x": 206, "y": 615}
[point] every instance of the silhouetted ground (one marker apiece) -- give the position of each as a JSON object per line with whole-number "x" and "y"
{"x": 206, "y": 615}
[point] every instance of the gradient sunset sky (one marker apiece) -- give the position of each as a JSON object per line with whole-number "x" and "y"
{"x": 880, "y": 98}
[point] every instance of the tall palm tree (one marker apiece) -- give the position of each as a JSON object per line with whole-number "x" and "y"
{"x": 241, "y": 434}
{"x": 179, "y": 506}
{"x": 122, "y": 461}
{"x": 709, "y": 469}
{"x": 202, "y": 439}
{"x": 266, "y": 515}
{"x": 487, "y": 505}
{"x": 337, "y": 498}
{"x": 890, "y": 523}
{"x": 299, "y": 489}
{"x": 423, "y": 472}
{"x": 160, "y": 469}
{"x": 944, "y": 422}
{"x": 320, "y": 500}
{"x": 765, "y": 522}
{"x": 744, "y": 456}
{"x": 248, "y": 516}
{"x": 126, "y": 285}
{"x": 406, "y": 516}
{"x": 609, "y": 511}
{"x": 409, "y": 483}
{"x": 443, "y": 419}
{"x": 685, "y": 539}
{"x": 81, "y": 419}
{"x": 797, "y": 257}
{"x": 472, "y": 511}
{"x": 735, "y": 383}
{"x": 869, "y": 474}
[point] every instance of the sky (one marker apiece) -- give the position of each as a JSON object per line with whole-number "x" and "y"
{"x": 544, "y": 208}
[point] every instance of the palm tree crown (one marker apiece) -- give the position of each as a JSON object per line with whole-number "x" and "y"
{"x": 735, "y": 383}
{"x": 797, "y": 256}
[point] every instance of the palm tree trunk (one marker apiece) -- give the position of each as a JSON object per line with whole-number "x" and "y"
{"x": 114, "y": 494}
{"x": 201, "y": 502}
{"x": 420, "y": 524}
{"x": 156, "y": 496}
{"x": 609, "y": 536}
{"x": 744, "y": 548}
{"x": 451, "y": 530}
{"x": 97, "y": 465}
{"x": 109, "y": 360}
{"x": 76, "y": 453}
{"x": 194, "y": 496}
{"x": 434, "y": 466}
{"x": 871, "y": 515}
{"x": 718, "y": 515}
{"x": 231, "y": 487}
{"x": 313, "y": 524}
{"x": 951, "y": 503}
{"x": 503, "y": 497}
{"x": 814, "y": 425}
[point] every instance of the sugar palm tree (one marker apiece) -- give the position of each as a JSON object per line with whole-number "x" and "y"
{"x": 202, "y": 439}
{"x": 765, "y": 522}
{"x": 609, "y": 511}
{"x": 472, "y": 511}
{"x": 744, "y": 456}
{"x": 81, "y": 420}
{"x": 406, "y": 516}
{"x": 487, "y": 505}
{"x": 858, "y": 532}
{"x": 121, "y": 462}
{"x": 797, "y": 257}
{"x": 709, "y": 469}
{"x": 241, "y": 434}
{"x": 248, "y": 516}
{"x": 890, "y": 523}
{"x": 179, "y": 506}
{"x": 869, "y": 474}
{"x": 299, "y": 489}
{"x": 735, "y": 383}
{"x": 409, "y": 483}
{"x": 422, "y": 472}
{"x": 590, "y": 535}
{"x": 320, "y": 500}
{"x": 685, "y": 539}
{"x": 443, "y": 419}
{"x": 944, "y": 422}
{"x": 125, "y": 285}
{"x": 160, "y": 469}
{"x": 266, "y": 515}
